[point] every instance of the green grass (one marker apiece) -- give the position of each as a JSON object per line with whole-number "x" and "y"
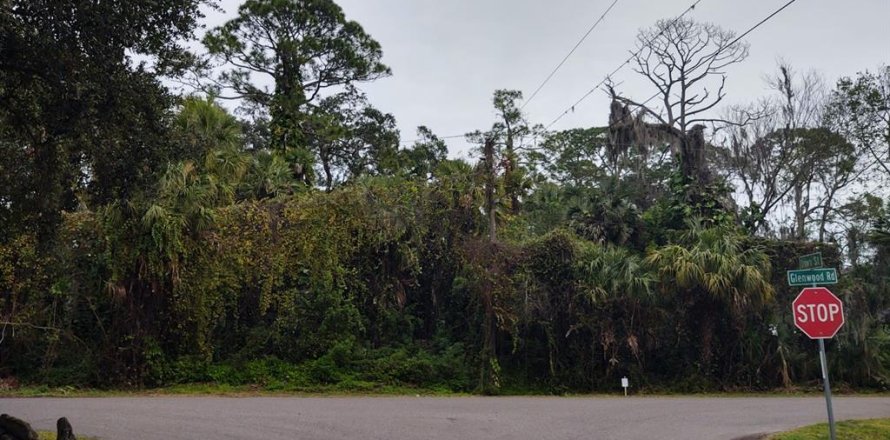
{"x": 346, "y": 388}
{"x": 362, "y": 388}
{"x": 47, "y": 435}
{"x": 875, "y": 429}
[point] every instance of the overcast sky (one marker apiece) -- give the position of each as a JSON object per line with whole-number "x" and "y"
{"x": 448, "y": 56}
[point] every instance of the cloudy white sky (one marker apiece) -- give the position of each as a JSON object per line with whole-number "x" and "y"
{"x": 448, "y": 56}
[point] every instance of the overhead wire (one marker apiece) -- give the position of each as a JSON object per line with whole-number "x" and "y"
{"x": 768, "y": 17}
{"x": 628, "y": 60}
{"x": 733, "y": 42}
{"x": 568, "y": 55}
{"x": 454, "y": 136}
{"x": 578, "y": 44}
{"x": 552, "y": 73}
{"x": 620, "y": 66}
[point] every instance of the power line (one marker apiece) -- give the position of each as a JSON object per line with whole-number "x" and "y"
{"x": 761, "y": 22}
{"x": 736, "y": 40}
{"x": 454, "y": 136}
{"x": 578, "y": 44}
{"x": 558, "y": 66}
{"x": 620, "y": 66}
{"x": 629, "y": 59}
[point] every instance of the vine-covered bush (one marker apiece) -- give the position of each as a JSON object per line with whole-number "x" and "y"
{"x": 392, "y": 282}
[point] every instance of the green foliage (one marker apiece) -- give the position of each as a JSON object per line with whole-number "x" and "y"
{"x": 304, "y": 47}
{"x": 353, "y": 139}
{"x": 346, "y": 366}
{"x": 875, "y": 429}
{"x": 422, "y": 159}
{"x": 571, "y": 157}
{"x": 608, "y": 219}
{"x": 386, "y": 284}
{"x": 152, "y": 241}
{"x": 203, "y": 126}
{"x": 82, "y": 120}
{"x": 859, "y": 108}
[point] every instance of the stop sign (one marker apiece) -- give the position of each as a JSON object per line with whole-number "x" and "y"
{"x": 818, "y": 313}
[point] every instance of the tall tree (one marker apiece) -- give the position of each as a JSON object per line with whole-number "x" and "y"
{"x": 423, "y": 158}
{"x": 573, "y": 157}
{"x": 490, "y": 173}
{"x": 351, "y": 138}
{"x": 501, "y": 147}
{"x": 774, "y": 156}
{"x": 305, "y": 47}
{"x": 860, "y": 109}
{"x": 685, "y": 61}
{"x": 75, "y": 105}
{"x": 511, "y": 129}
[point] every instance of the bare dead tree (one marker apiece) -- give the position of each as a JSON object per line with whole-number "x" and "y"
{"x": 801, "y": 105}
{"x": 802, "y": 96}
{"x": 686, "y": 61}
{"x": 790, "y": 158}
{"x": 766, "y": 155}
{"x": 755, "y": 160}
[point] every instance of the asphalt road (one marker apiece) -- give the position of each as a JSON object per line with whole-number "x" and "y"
{"x": 434, "y": 418}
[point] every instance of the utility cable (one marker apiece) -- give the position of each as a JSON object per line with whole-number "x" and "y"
{"x": 620, "y": 66}
{"x": 736, "y": 40}
{"x": 558, "y": 66}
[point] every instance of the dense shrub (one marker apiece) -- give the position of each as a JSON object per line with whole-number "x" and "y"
{"x": 391, "y": 283}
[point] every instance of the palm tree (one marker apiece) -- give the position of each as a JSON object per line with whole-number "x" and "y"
{"x": 606, "y": 219}
{"x": 269, "y": 176}
{"x": 204, "y": 126}
{"x": 610, "y": 272}
{"x": 711, "y": 274}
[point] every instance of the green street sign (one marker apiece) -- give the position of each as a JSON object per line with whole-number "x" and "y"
{"x": 810, "y": 261}
{"x": 809, "y": 277}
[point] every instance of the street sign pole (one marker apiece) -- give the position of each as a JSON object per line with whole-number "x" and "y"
{"x": 819, "y": 314}
{"x": 827, "y": 388}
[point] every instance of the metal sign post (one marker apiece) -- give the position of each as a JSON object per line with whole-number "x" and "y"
{"x": 827, "y": 388}
{"x": 818, "y": 313}
{"x": 826, "y": 385}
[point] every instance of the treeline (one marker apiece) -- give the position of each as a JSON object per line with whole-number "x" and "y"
{"x": 151, "y": 239}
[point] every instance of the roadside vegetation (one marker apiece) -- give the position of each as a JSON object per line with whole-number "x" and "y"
{"x": 155, "y": 240}
{"x": 48, "y": 435}
{"x": 875, "y": 429}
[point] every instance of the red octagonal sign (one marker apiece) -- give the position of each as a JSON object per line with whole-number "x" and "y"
{"x": 818, "y": 313}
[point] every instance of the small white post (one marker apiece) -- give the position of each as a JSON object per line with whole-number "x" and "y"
{"x": 624, "y": 384}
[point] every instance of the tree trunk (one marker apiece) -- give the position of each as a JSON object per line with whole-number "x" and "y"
{"x": 694, "y": 165}
{"x": 328, "y": 176}
{"x": 799, "y": 214}
{"x": 512, "y": 186}
{"x": 489, "y": 189}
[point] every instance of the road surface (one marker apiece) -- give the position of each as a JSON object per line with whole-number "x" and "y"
{"x": 435, "y": 418}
